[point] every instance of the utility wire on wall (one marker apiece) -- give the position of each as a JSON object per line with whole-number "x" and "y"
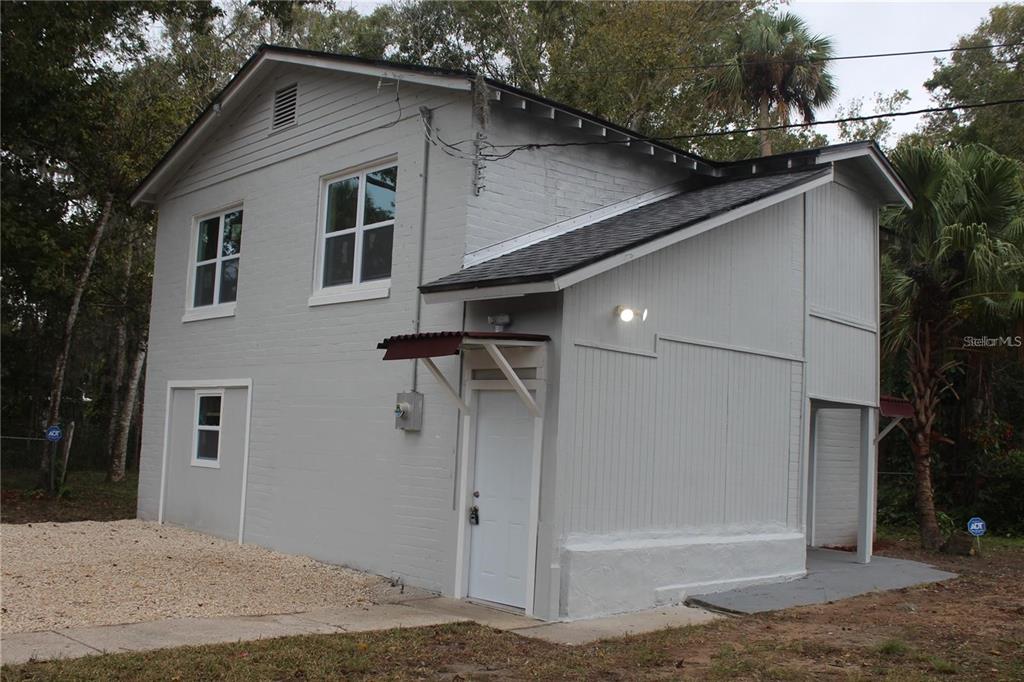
{"x": 452, "y": 148}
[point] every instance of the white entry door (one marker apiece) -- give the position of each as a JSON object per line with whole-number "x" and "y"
{"x": 501, "y": 492}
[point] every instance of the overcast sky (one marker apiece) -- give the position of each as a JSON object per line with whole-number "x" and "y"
{"x": 868, "y": 27}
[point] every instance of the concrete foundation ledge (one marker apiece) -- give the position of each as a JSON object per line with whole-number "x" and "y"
{"x": 604, "y": 575}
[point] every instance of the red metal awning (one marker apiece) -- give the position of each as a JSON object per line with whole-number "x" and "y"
{"x": 891, "y": 406}
{"x": 434, "y": 344}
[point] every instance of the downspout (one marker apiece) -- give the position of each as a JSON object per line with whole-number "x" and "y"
{"x": 427, "y": 114}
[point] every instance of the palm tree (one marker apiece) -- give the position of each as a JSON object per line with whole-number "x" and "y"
{"x": 955, "y": 269}
{"x": 777, "y": 66}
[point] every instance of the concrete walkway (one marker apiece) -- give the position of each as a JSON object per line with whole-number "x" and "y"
{"x": 412, "y": 611}
{"x": 831, "y": 575}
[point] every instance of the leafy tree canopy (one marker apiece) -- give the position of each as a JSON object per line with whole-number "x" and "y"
{"x": 983, "y": 76}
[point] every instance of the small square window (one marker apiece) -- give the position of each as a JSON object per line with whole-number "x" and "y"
{"x": 206, "y": 441}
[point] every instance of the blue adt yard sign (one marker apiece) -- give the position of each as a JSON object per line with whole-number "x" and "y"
{"x": 977, "y": 526}
{"x": 54, "y": 433}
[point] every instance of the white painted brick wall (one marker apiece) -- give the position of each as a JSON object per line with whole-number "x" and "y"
{"x": 329, "y": 476}
{"x": 532, "y": 189}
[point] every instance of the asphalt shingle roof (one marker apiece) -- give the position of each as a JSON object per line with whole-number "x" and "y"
{"x": 573, "y": 250}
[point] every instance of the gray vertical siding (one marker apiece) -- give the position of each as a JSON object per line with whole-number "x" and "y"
{"x": 670, "y": 424}
{"x": 842, "y": 281}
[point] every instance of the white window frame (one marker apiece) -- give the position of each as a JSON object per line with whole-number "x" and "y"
{"x": 197, "y": 427}
{"x": 215, "y": 309}
{"x": 357, "y": 290}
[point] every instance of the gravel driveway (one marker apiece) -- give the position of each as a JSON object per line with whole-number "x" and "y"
{"x": 58, "y": 575}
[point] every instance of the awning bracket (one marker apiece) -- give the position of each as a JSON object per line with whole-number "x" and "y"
{"x": 513, "y": 378}
{"x": 452, "y": 393}
{"x": 888, "y": 427}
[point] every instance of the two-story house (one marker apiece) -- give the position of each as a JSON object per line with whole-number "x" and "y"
{"x": 614, "y": 373}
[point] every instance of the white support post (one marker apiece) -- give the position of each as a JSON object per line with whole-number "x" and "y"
{"x": 452, "y": 393}
{"x": 513, "y": 378}
{"x": 868, "y": 471}
{"x": 462, "y": 510}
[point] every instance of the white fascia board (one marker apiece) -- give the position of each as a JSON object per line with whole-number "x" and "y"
{"x": 872, "y": 155}
{"x": 195, "y": 136}
{"x": 687, "y": 233}
{"x": 486, "y": 293}
{"x": 565, "y": 226}
{"x": 453, "y": 82}
{"x": 240, "y": 85}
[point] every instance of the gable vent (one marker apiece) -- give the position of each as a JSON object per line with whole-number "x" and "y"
{"x": 284, "y": 106}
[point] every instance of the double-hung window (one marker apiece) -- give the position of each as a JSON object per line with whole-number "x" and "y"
{"x": 206, "y": 442}
{"x": 356, "y": 235}
{"x": 217, "y": 253}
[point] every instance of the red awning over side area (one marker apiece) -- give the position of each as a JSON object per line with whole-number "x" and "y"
{"x": 434, "y": 344}
{"x": 895, "y": 407}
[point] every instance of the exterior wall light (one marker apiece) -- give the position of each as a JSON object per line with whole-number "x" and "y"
{"x": 626, "y": 314}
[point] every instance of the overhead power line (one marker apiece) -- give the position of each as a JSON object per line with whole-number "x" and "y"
{"x": 453, "y": 149}
{"x": 873, "y": 55}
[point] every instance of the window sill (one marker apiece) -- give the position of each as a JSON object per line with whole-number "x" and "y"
{"x": 206, "y": 463}
{"x": 351, "y": 292}
{"x": 209, "y": 312}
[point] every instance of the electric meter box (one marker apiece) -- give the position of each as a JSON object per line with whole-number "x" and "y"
{"x": 409, "y": 411}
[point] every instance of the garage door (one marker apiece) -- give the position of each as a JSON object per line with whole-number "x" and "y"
{"x": 836, "y": 476}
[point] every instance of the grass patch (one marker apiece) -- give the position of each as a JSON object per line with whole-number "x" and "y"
{"x": 973, "y": 620}
{"x": 87, "y": 496}
{"x": 942, "y": 666}
{"x": 893, "y": 648}
{"x": 903, "y": 534}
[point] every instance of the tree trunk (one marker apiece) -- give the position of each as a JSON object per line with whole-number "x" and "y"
{"x": 931, "y": 536}
{"x": 120, "y": 453}
{"x": 61, "y": 365}
{"x": 925, "y": 381}
{"x": 120, "y": 352}
{"x": 763, "y": 121}
{"x": 139, "y": 414}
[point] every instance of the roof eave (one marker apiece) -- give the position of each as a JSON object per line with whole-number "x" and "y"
{"x": 525, "y": 285}
{"x": 870, "y": 151}
{"x": 674, "y": 154}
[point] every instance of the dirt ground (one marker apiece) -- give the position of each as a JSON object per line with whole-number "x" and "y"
{"x": 87, "y": 496}
{"x": 58, "y": 575}
{"x": 969, "y": 628}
